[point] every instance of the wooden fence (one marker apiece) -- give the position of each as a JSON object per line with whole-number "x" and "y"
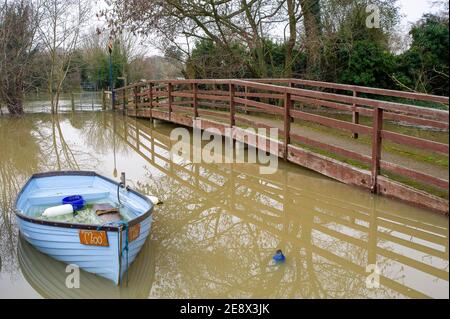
{"x": 181, "y": 101}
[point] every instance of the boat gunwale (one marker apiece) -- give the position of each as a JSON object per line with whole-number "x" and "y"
{"x": 77, "y": 226}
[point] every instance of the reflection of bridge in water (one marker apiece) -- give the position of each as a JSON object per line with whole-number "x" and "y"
{"x": 336, "y": 238}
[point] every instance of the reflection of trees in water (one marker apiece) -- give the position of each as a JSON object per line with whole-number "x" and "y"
{"x": 220, "y": 225}
{"x": 63, "y": 153}
{"x": 18, "y": 159}
{"x": 99, "y": 133}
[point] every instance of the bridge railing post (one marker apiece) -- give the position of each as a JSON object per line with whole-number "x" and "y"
{"x": 124, "y": 98}
{"x": 287, "y": 122}
{"x": 136, "y": 97}
{"x": 104, "y": 106}
{"x": 157, "y": 91}
{"x": 169, "y": 92}
{"x": 376, "y": 147}
{"x": 232, "y": 105}
{"x": 355, "y": 115}
{"x": 246, "y": 98}
{"x": 140, "y": 99}
{"x": 150, "y": 99}
{"x": 292, "y": 85}
{"x": 195, "y": 101}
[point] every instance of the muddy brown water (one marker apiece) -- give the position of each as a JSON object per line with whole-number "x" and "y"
{"x": 220, "y": 224}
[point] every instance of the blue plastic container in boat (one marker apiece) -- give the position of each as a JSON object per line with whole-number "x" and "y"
{"x": 76, "y": 201}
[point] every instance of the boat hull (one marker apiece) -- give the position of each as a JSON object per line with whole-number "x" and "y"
{"x": 62, "y": 241}
{"x": 63, "y": 244}
{"x": 48, "y": 276}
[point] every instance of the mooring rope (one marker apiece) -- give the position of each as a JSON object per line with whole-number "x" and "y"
{"x": 118, "y": 193}
{"x": 126, "y": 249}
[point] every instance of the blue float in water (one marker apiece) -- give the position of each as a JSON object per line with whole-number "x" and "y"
{"x": 279, "y": 258}
{"x": 76, "y": 201}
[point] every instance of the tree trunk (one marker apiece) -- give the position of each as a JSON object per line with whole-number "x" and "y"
{"x": 14, "y": 98}
{"x": 262, "y": 66}
{"x": 258, "y": 43}
{"x": 312, "y": 21}
{"x": 15, "y": 107}
{"x": 292, "y": 39}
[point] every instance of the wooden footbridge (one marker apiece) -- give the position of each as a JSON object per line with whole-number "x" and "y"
{"x": 362, "y": 113}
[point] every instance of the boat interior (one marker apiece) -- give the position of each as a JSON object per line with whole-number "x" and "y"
{"x": 46, "y": 190}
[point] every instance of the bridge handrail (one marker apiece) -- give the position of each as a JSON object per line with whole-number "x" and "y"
{"x": 414, "y": 110}
{"x": 237, "y": 95}
{"x": 359, "y": 89}
{"x": 319, "y": 84}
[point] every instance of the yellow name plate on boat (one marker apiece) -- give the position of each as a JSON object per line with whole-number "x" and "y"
{"x": 134, "y": 232}
{"x": 94, "y": 238}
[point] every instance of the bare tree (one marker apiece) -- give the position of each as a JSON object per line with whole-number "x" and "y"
{"x": 60, "y": 34}
{"x": 294, "y": 15}
{"x": 126, "y": 51}
{"x": 312, "y": 22}
{"x": 178, "y": 23}
{"x": 18, "y": 25}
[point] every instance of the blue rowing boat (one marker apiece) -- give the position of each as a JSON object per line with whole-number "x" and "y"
{"x": 106, "y": 249}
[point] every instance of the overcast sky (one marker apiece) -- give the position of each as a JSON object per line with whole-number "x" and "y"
{"x": 414, "y": 9}
{"x": 411, "y": 11}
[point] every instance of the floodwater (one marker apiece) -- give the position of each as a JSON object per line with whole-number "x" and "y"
{"x": 40, "y": 103}
{"x": 219, "y": 226}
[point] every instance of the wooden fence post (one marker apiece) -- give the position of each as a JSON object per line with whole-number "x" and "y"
{"x": 232, "y": 105}
{"x": 287, "y": 122}
{"x": 246, "y": 97}
{"x": 194, "y": 92}
{"x": 355, "y": 117}
{"x": 376, "y": 147}
{"x": 104, "y": 100}
{"x": 72, "y": 101}
{"x": 291, "y": 85}
{"x": 125, "y": 105}
{"x": 150, "y": 99}
{"x": 169, "y": 91}
{"x": 124, "y": 98}
{"x": 157, "y": 91}
{"x": 104, "y": 107}
{"x": 136, "y": 98}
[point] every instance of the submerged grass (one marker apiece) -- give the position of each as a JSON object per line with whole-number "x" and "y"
{"x": 395, "y": 177}
{"x": 388, "y": 146}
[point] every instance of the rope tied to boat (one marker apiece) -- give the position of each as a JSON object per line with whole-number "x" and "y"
{"x": 126, "y": 248}
{"x": 118, "y": 193}
{"x": 125, "y": 227}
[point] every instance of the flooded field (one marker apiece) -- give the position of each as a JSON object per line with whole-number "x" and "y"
{"x": 81, "y": 101}
{"x": 220, "y": 225}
